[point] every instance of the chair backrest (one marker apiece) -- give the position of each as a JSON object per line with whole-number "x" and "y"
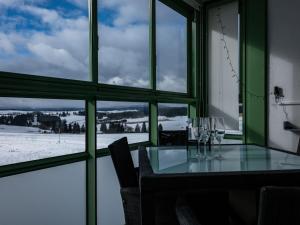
{"x": 172, "y": 137}
{"x": 121, "y": 157}
{"x": 279, "y": 205}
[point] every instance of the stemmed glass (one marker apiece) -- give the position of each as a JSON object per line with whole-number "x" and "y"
{"x": 206, "y": 130}
{"x": 197, "y": 132}
{"x": 219, "y": 133}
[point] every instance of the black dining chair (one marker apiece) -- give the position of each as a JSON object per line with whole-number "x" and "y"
{"x": 279, "y": 206}
{"x": 128, "y": 179}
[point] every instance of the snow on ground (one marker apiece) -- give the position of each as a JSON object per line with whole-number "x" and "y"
{"x": 74, "y": 118}
{"x": 118, "y": 111}
{"x": 19, "y": 147}
{"x": 138, "y": 120}
{"x": 173, "y": 123}
{"x": 18, "y": 129}
{"x": 14, "y": 112}
{"x": 19, "y": 144}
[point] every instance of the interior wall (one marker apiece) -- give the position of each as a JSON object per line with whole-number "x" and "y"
{"x": 52, "y": 196}
{"x": 284, "y": 70}
{"x": 222, "y": 64}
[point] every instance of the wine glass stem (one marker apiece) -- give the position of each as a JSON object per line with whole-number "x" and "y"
{"x": 219, "y": 149}
{"x": 198, "y": 146}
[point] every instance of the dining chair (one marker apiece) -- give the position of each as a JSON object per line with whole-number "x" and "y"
{"x": 279, "y": 206}
{"x": 128, "y": 179}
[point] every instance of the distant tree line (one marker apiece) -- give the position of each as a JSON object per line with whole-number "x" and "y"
{"x": 172, "y": 111}
{"x": 139, "y": 113}
{"x": 121, "y": 115}
{"x": 44, "y": 122}
{"x": 121, "y": 127}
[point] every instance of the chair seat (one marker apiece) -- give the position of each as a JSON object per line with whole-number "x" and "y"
{"x": 131, "y": 205}
{"x": 184, "y": 213}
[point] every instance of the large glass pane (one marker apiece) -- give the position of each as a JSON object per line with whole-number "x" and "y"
{"x": 171, "y": 50}
{"x": 52, "y": 196}
{"x": 225, "y": 96}
{"x": 172, "y": 116}
{"x": 44, "y": 37}
{"x": 32, "y": 129}
{"x": 124, "y": 42}
{"x": 122, "y": 119}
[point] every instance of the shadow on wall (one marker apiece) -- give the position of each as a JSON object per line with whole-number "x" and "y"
{"x": 230, "y": 122}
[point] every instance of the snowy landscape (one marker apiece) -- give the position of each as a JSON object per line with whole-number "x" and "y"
{"x": 30, "y": 135}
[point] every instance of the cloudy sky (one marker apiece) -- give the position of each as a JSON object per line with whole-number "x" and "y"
{"x": 50, "y": 38}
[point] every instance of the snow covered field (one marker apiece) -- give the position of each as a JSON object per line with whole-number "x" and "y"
{"x": 21, "y": 144}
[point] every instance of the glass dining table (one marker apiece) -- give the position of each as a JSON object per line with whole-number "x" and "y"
{"x": 177, "y": 168}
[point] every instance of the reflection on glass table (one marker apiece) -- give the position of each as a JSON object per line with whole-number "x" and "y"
{"x": 237, "y": 158}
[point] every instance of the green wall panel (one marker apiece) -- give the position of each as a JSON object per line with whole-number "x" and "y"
{"x": 254, "y": 70}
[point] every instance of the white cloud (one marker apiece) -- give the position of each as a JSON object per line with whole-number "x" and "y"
{"x": 80, "y": 3}
{"x": 170, "y": 82}
{"x": 127, "y": 11}
{"x": 6, "y": 45}
{"x": 47, "y": 16}
{"x": 58, "y": 57}
{"x": 61, "y": 49}
{"x": 116, "y": 81}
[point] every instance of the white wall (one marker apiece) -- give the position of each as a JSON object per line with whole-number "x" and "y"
{"x": 53, "y": 196}
{"x": 223, "y": 87}
{"x": 284, "y": 69}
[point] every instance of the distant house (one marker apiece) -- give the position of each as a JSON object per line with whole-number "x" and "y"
{"x": 35, "y": 122}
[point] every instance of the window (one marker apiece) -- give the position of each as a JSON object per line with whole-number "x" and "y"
{"x": 118, "y": 119}
{"x": 225, "y": 96}
{"x": 171, "y": 47}
{"x": 124, "y": 43}
{"x": 32, "y": 129}
{"x": 45, "y": 38}
{"x": 172, "y": 116}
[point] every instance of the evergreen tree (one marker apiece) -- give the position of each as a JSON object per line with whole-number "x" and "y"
{"x": 70, "y": 128}
{"x": 82, "y": 130}
{"x": 103, "y": 127}
{"x": 137, "y": 128}
{"x": 160, "y": 127}
{"x": 144, "y": 129}
{"x": 76, "y": 128}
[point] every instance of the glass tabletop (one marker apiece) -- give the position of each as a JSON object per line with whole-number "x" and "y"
{"x": 235, "y": 158}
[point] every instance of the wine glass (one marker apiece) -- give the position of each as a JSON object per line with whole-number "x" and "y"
{"x": 205, "y": 132}
{"x": 212, "y": 135}
{"x": 219, "y": 133}
{"x": 196, "y": 129}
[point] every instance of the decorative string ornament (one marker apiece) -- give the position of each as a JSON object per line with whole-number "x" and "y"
{"x": 235, "y": 74}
